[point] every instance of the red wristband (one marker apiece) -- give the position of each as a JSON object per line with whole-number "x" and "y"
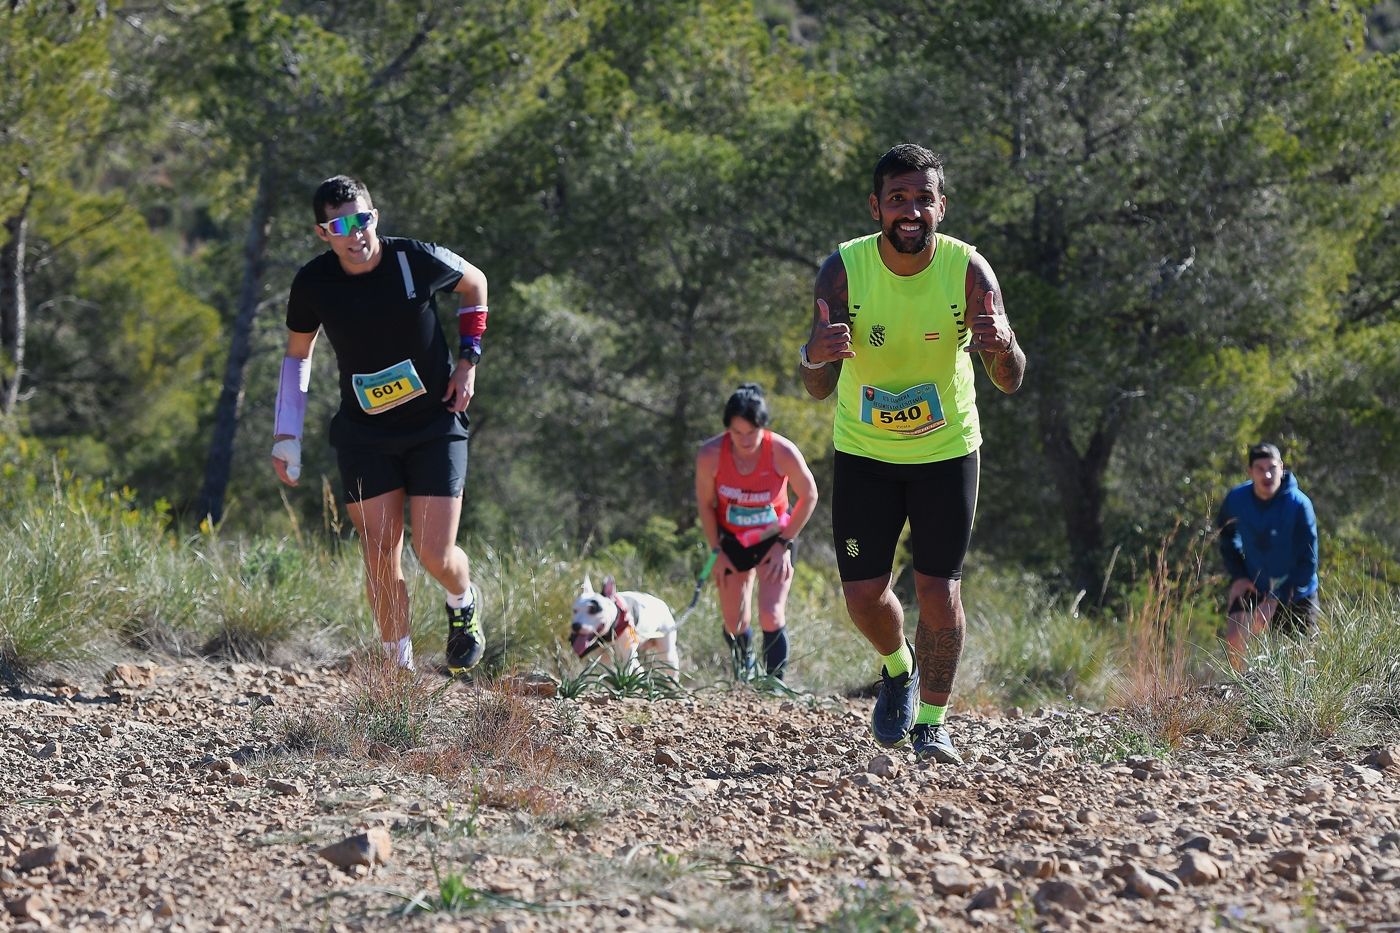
{"x": 471, "y": 320}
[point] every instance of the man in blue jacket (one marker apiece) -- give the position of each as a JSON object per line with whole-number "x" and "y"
{"x": 1268, "y": 538}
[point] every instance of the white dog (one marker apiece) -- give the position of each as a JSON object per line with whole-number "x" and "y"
{"x": 627, "y": 623}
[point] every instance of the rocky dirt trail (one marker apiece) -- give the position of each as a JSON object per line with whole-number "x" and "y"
{"x": 170, "y": 800}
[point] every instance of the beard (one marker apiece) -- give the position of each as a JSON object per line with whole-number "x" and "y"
{"x": 906, "y": 244}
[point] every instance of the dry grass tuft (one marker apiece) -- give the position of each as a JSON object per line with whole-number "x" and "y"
{"x": 1154, "y": 685}
{"x": 486, "y": 736}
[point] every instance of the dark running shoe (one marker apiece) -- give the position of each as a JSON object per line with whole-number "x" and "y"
{"x": 742, "y": 662}
{"x": 896, "y": 706}
{"x": 933, "y": 742}
{"x": 465, "y": 642}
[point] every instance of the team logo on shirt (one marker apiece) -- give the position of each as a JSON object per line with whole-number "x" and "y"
{"x": 877, "y": 335}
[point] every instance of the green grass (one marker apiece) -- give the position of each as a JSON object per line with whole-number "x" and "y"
{"x": 1342, "y": 686}
{"x": 1026, "y": 648}
{"x": 52, "y": 605}
{"x": 874, "y": 909}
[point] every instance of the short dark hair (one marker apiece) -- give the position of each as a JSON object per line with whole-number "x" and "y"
{"x": 907, "y": 157}
{"x": 1262, "y": 451}
{"x": 748, "y": 403}
{"x": 337, "y": 190}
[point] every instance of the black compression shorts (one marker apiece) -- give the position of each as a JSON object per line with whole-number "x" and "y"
{"x": 743, "y": 558}
{"x": 871, "y": 501}
{"x": 430, "y": 460}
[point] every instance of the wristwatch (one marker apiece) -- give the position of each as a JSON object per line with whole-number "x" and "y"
{"x": 807, "y": 363}
{"x": 471, "y": 356}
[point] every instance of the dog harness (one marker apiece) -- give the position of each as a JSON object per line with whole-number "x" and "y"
{"x": 619, "y": 626}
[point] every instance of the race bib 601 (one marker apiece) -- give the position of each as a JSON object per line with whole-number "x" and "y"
{"x": 388, "y": 388}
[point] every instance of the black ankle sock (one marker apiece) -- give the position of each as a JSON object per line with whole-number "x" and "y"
{"x": 741, "y": 643}
{"x": 775, "y": 652}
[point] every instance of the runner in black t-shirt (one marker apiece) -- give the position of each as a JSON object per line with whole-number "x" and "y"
{"x": 401, "y": 432}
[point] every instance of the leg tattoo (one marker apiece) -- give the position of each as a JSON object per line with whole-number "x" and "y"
{"x": 939, "y": 651}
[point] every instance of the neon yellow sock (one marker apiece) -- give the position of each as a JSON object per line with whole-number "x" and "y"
{"x": 901, "y": 662}
{"x": 930, "y": 715}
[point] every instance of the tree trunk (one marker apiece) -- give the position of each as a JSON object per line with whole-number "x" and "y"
{"x": 220, "y": 463}
{"x": 14, "y": 308}
{"x": 681, "y": 451}
{"x": 1079, "y": 484}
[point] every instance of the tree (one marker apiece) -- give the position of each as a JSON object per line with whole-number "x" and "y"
{"x": 1166, "y": 190}
{"x": 120, "y": 348}
{"x": 286, "y": 87}
{"x": 43, "y": 46}
{"x": 655, "y": 216}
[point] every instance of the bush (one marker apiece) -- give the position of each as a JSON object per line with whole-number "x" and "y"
{"x": 1343, "y": 685}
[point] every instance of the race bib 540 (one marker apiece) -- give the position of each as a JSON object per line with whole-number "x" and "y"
{"x": 911, "y": 413}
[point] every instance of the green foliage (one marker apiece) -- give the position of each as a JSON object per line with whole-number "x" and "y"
{"x": 99, "y": 277}
{"x": 874, "y": 909}
{"x": 393, "y": 710}
{"x": 50, "y": 604}
{"x": 1135, "y": 179}
{"x": 91, "y": 569}
{"x": 1025, "y": 648}
{"x": 1124, "y": 742}
{"x": 61, "y": 595}
{"x": 46, "y": 46}
{"x": 645, "y": 682}
{"x": 1192, "y": 209}
{"x": 656, "y": 228}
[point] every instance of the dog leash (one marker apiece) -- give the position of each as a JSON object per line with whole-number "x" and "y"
{"x": 699, "y": 585}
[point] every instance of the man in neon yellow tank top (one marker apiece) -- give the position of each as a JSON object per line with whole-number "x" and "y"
{"x": 899, "y": 315}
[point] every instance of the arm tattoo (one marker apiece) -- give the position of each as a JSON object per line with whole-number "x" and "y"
{"x": 938, "y": 652}
{"x": 832, "y": 288}
{"x": 1005, "y": 369}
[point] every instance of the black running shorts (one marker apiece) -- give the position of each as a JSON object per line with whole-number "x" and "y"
{"x": 430, "y": 460}
{"x": 1296, "y": 617}
{"x": 743, "y": 558}
{"x": 871, "y": 500}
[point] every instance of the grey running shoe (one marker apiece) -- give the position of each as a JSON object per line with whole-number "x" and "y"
{"x": 896, "y": 706}
{"x": 465, "y": 641}
{"x": 933, "y": 742}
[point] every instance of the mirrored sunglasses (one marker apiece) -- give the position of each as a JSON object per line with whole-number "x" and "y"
{"x": 344, "y": 226}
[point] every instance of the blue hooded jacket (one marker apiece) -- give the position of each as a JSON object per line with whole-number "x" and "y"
{"x": 1272, "y": 543}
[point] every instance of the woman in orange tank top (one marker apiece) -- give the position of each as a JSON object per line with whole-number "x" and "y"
{"x": 742, "y": 480}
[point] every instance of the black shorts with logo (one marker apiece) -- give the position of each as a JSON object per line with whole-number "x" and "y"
{"x": 428, "y": 458}
{"x": 871, "y": 500}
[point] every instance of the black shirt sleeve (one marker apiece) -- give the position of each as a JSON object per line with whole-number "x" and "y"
{"x": 303, "y": 312}
{"x": 442, "y": 268}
